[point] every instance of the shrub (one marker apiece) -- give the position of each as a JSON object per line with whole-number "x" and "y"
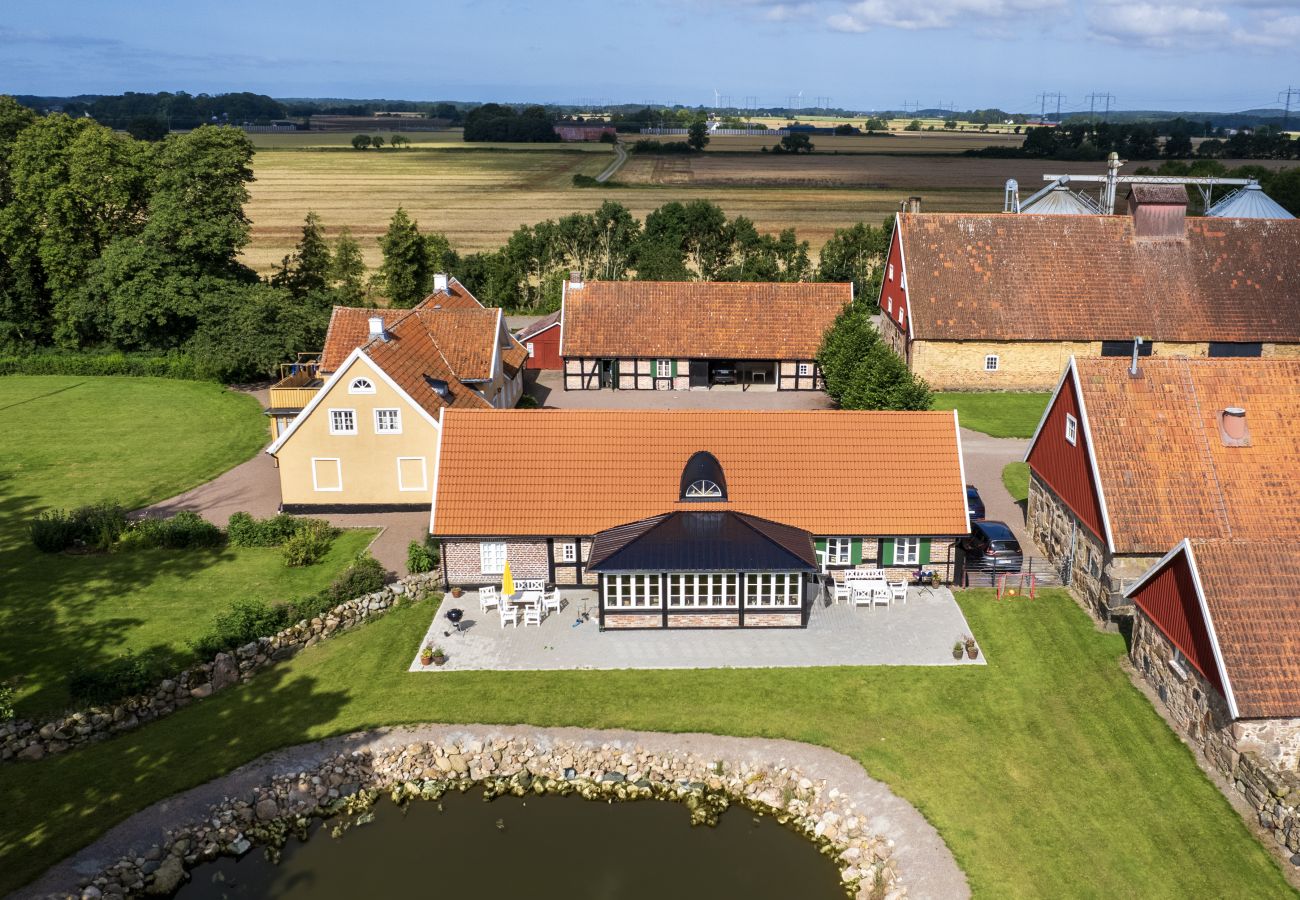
{"x": 580, "y": 180}
{"x": 309, "y": 543}
{"x": 245, "y": 531}
{"x": 97, "y": 526}
{"x": 365, "y": 575}
{"x": 245, "y": 621}
{"x": 124, "y": 676}
{"x": 173, "y": 365}
{"x": 184, "y": 531}
{"x": 527, "y": 401}
{"x": 421, "y": 557}
{"x": 6, "y": 702}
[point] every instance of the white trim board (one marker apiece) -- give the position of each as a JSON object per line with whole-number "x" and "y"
{"x": 424, "y": 474}
{"x": 338, "y": 468}
{"x": 961, "y": 461}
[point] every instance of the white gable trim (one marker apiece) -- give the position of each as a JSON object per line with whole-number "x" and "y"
{"x": 961, "y": 461}
{"x": 328, "y": 385}
{"x": 497, "y": 349}
{"x": 902, "y": 273}
{"x": 564, "y": 294}
{"x": 526, "y": 335}
{"x": 437, "y": 463}
{"x": 1072, "y": 371}
{"x": 1185, "y": 546}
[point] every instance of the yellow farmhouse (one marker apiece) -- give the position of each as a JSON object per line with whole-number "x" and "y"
{"x": 366, "y": 437}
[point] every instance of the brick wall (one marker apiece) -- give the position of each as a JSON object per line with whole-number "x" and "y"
{"x": 773, "y": 620}
{"x": 699, "y": 620}
{"x": 633, "y": 620}
{"x": 462, "y": 563}
{"x": 1022, "y": 366}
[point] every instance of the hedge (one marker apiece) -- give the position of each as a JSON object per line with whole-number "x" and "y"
{"x": 172, "y": 365}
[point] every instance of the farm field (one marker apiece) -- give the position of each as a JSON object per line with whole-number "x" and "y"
{"x": 450, "y": 139}
{"x": 919, "y": 142}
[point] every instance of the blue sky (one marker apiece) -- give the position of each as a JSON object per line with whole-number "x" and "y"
{"x": 869, "y": 54}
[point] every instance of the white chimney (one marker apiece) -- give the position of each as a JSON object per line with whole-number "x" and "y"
{"x": 377, "y": 329}
{"x": 575, "y": 280}
{"x": 440, "y": 283}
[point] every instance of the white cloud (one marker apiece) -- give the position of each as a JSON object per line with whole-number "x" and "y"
{"x": 865, "y": 15}
{"x": 1157, "y": 24}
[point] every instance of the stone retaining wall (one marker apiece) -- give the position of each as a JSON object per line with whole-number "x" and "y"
{"x": 348, "y": 784}
{"x": 28, "y": 740}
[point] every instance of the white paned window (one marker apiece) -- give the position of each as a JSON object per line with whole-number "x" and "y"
{"x": 663, "y": 368}
{"x": 568, "y": 552}
{"x": 991, "y": 363}
{"x": 492, "y": 557}
{"x": 343, "y": 421}
{"x": 703, "y": 488}
{"x": 1071, "y": 428}
{"x": 805, "y": 368}
{"x": 890, "y": 306}
{"x": 632, "y": 592}
{"x": 361, "y": 386}
{"x": 907, "y": 551}
{"x": 529, "y": 345}
{"x": 779, "y": 590}
{"x": 891, "y": 271}
{"x": 388, "y": 421}
{"x": 839, "y": 551}
{"x": 703, "y": 590}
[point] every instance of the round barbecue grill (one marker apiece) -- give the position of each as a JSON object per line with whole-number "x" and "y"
{"x": 454, "y": 616}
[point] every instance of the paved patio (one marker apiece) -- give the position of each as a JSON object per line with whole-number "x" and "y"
{"x": 919, "y": 632}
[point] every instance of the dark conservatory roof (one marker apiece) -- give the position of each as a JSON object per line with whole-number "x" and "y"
{"x": 703, "y": 542}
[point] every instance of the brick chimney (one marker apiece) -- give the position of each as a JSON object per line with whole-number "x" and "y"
{"x": 911, "y": 205}
{"x": 575, "y": 280}
{"x": 377, "y": 329}
{"x": 440, "y": 283}
{"x": 1159, "y": 211}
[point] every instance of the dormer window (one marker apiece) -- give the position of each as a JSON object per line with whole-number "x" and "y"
{"x": 702, "y": 478}
{"x": 361, "y": 386}
{"x": 703, "y": 490}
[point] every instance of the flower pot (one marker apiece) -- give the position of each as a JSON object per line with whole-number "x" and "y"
{"x": 457, "y": 592}
{"x": 440, "y": 660}
{"x": 956, "y": 653}
{"x": 972, "y": 651}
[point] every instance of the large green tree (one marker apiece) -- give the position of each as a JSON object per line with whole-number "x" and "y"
{"x": 857, "y": 254}
{"x": 862, "y": 371}
{"x": 308, "y": 270}
{"x": 405, "y": 271}
{"x": 348, "y": 271}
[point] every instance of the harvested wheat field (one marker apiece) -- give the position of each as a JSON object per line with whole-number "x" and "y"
{"x": 913, "y": 142}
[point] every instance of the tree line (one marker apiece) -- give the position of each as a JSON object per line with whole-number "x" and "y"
{"x": 1095, "y": 140}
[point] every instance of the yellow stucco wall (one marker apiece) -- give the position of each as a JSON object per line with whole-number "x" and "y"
{"x": 367, "y": 462}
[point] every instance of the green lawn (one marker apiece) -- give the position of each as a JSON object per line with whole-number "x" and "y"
{"x": 69, "y": 441}
{"x": 1046, "y": 772}
{"x": 1003, "y": 415}
{"x": 1015, "y": 478}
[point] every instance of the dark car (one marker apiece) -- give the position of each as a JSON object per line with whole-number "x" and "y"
{"x": 724, "y": 374}
{"x": 974, "y": 503}
{"x": 992, "y": 547}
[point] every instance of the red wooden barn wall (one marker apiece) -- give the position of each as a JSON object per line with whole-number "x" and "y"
{"x": 1065, "y": 467}
{"x": 893, "y": 299}
{"x": 546, "y": 350}
{"x": 1169, "y": 600}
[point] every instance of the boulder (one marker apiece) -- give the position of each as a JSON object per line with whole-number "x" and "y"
{"x": 32, "y": 751}
{"x": 266, "y": 810}
{"x": 168, "y": 877}
{"x": 225, "y": 672}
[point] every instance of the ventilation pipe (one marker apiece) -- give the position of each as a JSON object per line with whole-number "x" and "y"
{"x": 1233, "y": 430}
{"x": 910, "y": 205}
{"x": 1137, "y": 347}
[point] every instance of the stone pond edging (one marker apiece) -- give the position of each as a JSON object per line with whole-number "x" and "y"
{"x": 28, "y": 740}
{"x": 883, "y": 847}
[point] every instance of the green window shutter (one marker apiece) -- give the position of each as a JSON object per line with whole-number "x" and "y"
{"x": 886, "y": 552}
{"x": 924, "y": 556}
{"x": 821, "y": 545}
{"x": 674, "y": 368}
{"x": 855, "y": 551}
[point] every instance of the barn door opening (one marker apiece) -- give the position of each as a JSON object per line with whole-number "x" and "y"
{"x": 699, "y": 373}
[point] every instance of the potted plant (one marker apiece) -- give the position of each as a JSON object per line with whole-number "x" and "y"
{"x": 972, "y": 649}
{"x": 426, "y": 655}
{"x": 457, "y": 592}
{"x": 439, "y": 656}
{"x": 957, "y": 649}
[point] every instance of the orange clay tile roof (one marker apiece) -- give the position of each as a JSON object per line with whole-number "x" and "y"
{"x": 1165, "y": 471}
{"x": 411, "y": 357}
{"x": 695, "y": 319}
{"x": 466, "y": 337}
{"x": 990, "y": 276}
{"x": 457, "y": 297}
{"x": 577, "y": 472}
{"x": 1251, "y": 594}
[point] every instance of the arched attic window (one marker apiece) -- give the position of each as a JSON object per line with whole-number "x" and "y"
{"x": 361, "y": 386}
{"x": 702, "y": 478}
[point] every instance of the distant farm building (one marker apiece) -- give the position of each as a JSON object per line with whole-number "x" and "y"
{"x": 584, "y": 132}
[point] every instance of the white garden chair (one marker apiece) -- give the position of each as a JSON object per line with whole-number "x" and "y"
{"x": 551, "y": 601}
{"x": 842, "y": 590}
{"x": 880, "y": 594}
{"x": 488, "y": 598}
{"x": 898, "y": 590}
{"x": 509, "y": 614}
{"x": 533, "y": 614}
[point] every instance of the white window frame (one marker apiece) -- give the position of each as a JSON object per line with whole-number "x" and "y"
{"x": 907, "y": 551}
{"x": 663, "y": 368}
{"x": 488, "y": 553}
{"x": 1071, "y": 429}
{"x": 703, "y": 489}
{"x": 843, "y": 558}
{"x": 633, "y": 592}
{"x": 992, "y": 362}
{"x": 338, "y": 468}
{"x": 529, "y": 347}
{"x": 891, "y": 271}
{"x": 361, "y": 386}
{"x": 397, "y": 420}
{"x": 1181, "y": 665}
{"x": 703, "y": 590}
{"x": 424, "y": 474}
{"x": 773, "y": 590}
{"x": 805, "y": 370}
{"x": 339, "y": 412}
{"x": 568, "y": 552}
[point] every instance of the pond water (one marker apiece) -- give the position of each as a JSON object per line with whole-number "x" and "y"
{"x": 565, "y": 848}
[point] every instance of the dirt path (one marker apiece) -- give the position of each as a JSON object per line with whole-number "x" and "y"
{"x": 925, "y": 864}
{"x": 621, "y": 157}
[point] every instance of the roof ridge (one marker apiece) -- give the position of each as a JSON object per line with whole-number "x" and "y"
{"x": 1203, "y": 444}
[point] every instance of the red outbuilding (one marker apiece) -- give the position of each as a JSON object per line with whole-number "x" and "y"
{"x": 542, "y": 339}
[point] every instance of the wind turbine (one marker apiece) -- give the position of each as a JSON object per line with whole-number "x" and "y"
{"x": 715, "y": 98}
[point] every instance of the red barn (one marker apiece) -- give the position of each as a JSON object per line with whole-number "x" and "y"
{"x": 542, "y": 339}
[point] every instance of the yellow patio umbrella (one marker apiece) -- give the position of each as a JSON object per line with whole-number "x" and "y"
{"x": 507, "y": 581}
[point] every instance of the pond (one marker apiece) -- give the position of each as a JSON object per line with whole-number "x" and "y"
{"x": 561, "y": 847}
